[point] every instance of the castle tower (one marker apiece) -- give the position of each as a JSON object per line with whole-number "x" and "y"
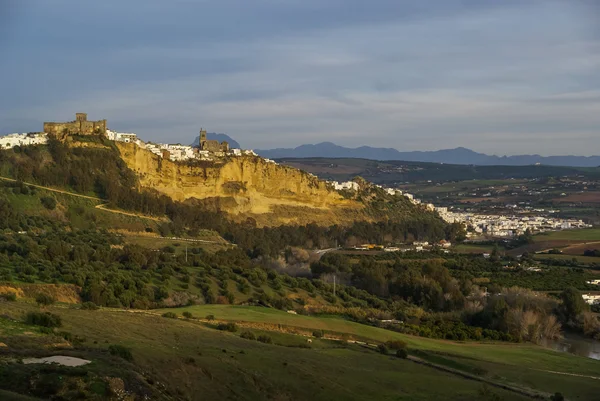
{"x": 81, "y": 117}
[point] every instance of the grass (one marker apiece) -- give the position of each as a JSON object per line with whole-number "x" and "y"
{"x": 214, "y": 242}
{"x": 580, "y": 259}
{"x": 191, "y": 359}
{"x": 514, "y": 363}
{"x": 470, "y": 248}
{"x": 328, "y": 370}
{"x": 590, "y": 234}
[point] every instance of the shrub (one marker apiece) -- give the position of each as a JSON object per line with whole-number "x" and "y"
{"x": 48, "y": 202}
{"x": 43, "y": 319}
{"x": 210, "y": 317}
{"x": 265, "y": 339}
{"x": 121, "y": 351}
{"x": 170, "y": 315}
{"x": 187, "y": 315}
{"x": 402, "y": 353}
{"x": 89, "y": 306}
{"x": 383, "y": 349}
{"x": 396, "y": 345}
{"x": 231, "y": 327}
{"x": 44, "y": 299}
{"x": 248, "y": 335}
{"x": 318, "y": 334}
{"x": 8, "y": 296}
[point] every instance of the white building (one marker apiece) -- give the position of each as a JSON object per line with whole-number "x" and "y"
{"x": 12, "y": 140}
{"x": 591, "y": 299}
{"x": 348, "y": 185}
{"x": 121, "y": 136}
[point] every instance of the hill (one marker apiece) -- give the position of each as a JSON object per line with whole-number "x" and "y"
{"x": 219, "y": 137}
{"x": 448, "y": 156}
{"x": 186, "y": 358}
{"x": 268, "y": 193}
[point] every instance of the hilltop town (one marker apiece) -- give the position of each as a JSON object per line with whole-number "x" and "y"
{"x": 207, "y": 149}
{"x": 477, "y": 225}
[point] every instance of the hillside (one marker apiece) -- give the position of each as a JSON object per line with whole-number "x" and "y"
{"x": 249, "y": 186}
{"x": 187, "y": 358}
{"x": 448, "y": 156}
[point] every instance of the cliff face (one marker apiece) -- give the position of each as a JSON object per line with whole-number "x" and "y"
{"x": 244, "y": 187}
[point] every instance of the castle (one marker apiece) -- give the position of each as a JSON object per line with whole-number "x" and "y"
{"x": 211, "y": 145}
{"x": 81, "y": 126}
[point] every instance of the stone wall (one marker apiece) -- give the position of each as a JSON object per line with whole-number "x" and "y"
{"x": 81, "y": 126}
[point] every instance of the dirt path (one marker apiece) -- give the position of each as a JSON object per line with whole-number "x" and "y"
{"x": 101, "y": 206}
{"x": 60, "y": 191}
{"x": 569, "y": 374}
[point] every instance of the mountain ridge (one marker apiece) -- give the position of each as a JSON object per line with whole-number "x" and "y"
{"x": 459, "y": 155}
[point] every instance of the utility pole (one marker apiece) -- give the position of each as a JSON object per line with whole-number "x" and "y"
{"x": 334, "y": 285}
{"x": 185, "y": 253}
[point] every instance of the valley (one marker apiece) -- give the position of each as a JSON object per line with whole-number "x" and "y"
{"x": 174, "y": 282}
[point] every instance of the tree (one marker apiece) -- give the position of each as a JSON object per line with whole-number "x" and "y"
{"x": 48, "y": 202}
{"x": 44, "y": 299}
{"x": 573, "y": 303}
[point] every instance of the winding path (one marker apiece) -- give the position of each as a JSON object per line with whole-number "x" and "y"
{"x": 101, "y": 206}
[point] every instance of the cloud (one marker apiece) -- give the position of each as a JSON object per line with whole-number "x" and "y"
{"x": 499, "y": 77}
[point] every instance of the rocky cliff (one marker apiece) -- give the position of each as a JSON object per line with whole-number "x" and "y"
{"x": 245, "y": 187}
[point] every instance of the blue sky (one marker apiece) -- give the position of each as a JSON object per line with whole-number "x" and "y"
{"x": 501, "y": 77}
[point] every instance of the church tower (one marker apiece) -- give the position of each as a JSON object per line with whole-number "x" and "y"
{"x": 202, "y": 142}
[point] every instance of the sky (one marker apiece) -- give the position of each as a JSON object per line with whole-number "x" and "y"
{"x": 500, "y": 77}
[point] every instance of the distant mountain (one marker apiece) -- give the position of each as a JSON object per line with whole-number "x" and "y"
{"x": 448, "y": 156}
{"x": 219, "y": 137}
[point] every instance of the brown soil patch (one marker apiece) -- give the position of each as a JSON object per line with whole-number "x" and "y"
{"x": 579, "y": 249}
{"x": 585, "y": 197}
{"x": 66, "y": 293}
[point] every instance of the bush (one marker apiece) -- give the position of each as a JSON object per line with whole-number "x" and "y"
{"x": 265, "y": 339}
{"x": 187, "y": 315}
{"x": 318, "y": 334}
{"x": 170, "y": 315}
{"x": 121, "y": 351}
{"x": 396, "y": 345}
{"x": 43, "y": 319}
{"x": 402, "y": 353}
{"x": 248, "y": 335}
{"x": 210, "y": 317}
{"x": 48, "y": 202}
{"x": 231, "y": 327}
{"x": 89, "y": 306}
{"x": 44, "y": 299}
{"x": 8, "y": 296}
{"x": 382, "y": 349}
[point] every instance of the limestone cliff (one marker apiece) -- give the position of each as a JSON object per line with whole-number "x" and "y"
{"x": 244, "y": 187}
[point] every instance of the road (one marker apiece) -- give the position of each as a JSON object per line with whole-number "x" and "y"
{"x": 101, "y": 206}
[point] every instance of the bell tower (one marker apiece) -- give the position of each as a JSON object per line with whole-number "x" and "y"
{"x": 202, "y": 142}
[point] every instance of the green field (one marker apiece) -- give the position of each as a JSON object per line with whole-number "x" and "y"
{"x": 472, "y": 248}
{"x": 214, "y": 242}
{"x": 193, "y": 361}
{"x": 510, "y": 363}
{"x": 591, "y": 234}
{"x": 580, "y": 259}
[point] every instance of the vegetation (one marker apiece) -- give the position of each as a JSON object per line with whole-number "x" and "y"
{"x": 43, "y": 319}
{"x": 121, "y": 351}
